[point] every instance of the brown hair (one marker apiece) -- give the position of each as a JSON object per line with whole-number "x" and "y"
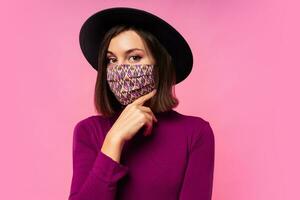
{"x": 164, "y": 75}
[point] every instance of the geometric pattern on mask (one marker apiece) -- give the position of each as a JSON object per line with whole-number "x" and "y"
{"x": 130, "y": 81}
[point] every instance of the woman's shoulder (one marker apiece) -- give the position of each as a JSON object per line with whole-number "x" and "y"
{"x": 90, "y": 120}
{"x": 192, "y": 120}
{"x": 92, "y": 123}
{"x": 198, "y": 125}
{"x": 91, "y": 129}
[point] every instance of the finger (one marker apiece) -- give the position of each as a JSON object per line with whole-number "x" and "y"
{"x": 148, "y": 129}
{"x": 146, "y": 122}
{"x": 146, "y": 117}
{"x": 142, "y": 99}
{"x": 148, "y": 110}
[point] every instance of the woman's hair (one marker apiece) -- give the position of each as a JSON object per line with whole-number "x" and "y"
{"x": 164, "y": 75}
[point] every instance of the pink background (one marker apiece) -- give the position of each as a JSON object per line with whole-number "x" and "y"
{"x": 245, "y": 82}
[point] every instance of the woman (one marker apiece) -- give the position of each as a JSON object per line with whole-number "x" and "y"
{"x": 139, "y": 147}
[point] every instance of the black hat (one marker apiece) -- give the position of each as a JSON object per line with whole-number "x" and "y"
{"x": 95, "y": 27}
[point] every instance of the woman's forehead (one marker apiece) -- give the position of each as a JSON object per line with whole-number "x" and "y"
{"x": 125, "y": 41}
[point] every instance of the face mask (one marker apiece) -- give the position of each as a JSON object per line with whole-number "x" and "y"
{"x": 129, "y": 82}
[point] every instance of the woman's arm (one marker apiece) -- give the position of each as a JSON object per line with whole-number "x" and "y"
{"x": 95, "y": 174}
{"x": 198, "y": 180}
{"x": 112, "y": 146}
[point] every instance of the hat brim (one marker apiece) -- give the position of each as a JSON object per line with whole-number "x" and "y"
{"x": 95, "y": 27}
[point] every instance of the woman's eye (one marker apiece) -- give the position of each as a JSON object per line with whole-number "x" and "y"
{"x": 131, "y": 58}
{"x": 136, "y": 58}
{"x": 108, "y": 60}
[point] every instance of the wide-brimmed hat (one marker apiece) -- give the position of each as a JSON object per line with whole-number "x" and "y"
{"x": 94, "y": 28}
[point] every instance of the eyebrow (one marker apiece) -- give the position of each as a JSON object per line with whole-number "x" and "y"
{"x": 128, "y": 51}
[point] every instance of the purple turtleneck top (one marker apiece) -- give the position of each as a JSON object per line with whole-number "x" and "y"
{"x": 175, "y": 162}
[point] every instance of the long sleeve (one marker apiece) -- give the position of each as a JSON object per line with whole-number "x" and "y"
{"x": 198, "y": 178}
{"x": 95, "y": 175}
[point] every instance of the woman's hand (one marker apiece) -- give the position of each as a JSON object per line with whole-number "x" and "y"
{"x": 133, "y": 117}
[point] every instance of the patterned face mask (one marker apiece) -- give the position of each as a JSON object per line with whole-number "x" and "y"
{"x": 128, "y": 82}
